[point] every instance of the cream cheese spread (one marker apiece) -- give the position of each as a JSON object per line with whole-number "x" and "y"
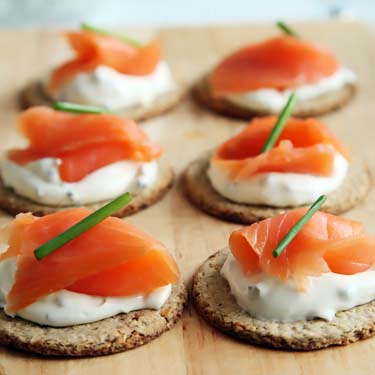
{"x": 108, "y": 88}
{"x": 40, "y": 181}
{"x": 278, "y": 189}
{"x": 268, "y": 298}
{"x": 273, "y": 101}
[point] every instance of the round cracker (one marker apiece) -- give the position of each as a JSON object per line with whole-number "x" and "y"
{"x": 34, "y": 94}
{"x": 200, "y": 192}
{"x": 325, "y": 103}
{"x": 112, "y": 335}
{"x": 214, "y": 302}
{"x": 13, "y": 203}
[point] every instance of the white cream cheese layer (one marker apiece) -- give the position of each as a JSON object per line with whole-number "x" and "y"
{"x": 106, "y": 87}
{"x": 265, "y": 297}
{"x": 273, "y": 101}
{"x": 40, "y": 181}
{"x": 65, "y": 308}
{"x": 278, "y": 189}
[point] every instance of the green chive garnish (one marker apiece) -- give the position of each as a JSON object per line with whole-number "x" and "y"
{"x": 123, "y": 38}
{"x": 277, "y": 129}
{"x": 82, "y": 226}
{"x": 79, "y": 108}
{"x": 285, "y": 241}
{"x": 286, "y": 29}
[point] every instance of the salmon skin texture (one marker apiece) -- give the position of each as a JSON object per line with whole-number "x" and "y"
{"x": 327, "y": 243}
{"x": 304, "y": 146}
{"x": 112, "y": 258}
{"x": 92, "y": 49}
{"x": 83, "y": 142}
{"x": 279, "y": 63}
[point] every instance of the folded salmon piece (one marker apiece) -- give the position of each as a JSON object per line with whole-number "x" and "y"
{"x": 83, "y": 142}
{"x": 93, "y": 49}
{"x": 325, "y": 243}
{"x": 113, "y": 258}
{"x": 304, "y": 146}
{"x": 280, "y": 63}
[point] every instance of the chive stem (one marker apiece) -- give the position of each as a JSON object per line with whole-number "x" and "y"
{"x": 84, "y": 225}
{"x": 281, "y": 121}
{"x": 123, "y": 38}
{"x": 286, "y": 29}
{"x": 79, "y": 108}
{"x": 285, "y": 241}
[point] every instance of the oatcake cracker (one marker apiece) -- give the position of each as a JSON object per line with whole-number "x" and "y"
{"x": 13, "y": 203}
{"x": 198, "y": 189}
{"x": 214, "y": 302}
{"x": 310, "y": 108}
{"x": 112, "y": 335}
{"x": 34, "y": 94}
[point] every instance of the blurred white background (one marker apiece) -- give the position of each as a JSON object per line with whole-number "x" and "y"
{"x": 25, "y": 13}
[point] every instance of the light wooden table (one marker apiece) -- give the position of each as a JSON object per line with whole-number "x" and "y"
{"x": 192, "y": 347}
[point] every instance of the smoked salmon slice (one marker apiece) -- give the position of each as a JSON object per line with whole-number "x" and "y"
{"x": 83, "y": 142}
{"x": 326, "y": 243}
{"x": 113, "y": 258}
{"x": 93, "y": 49}
{"x": 279, "y": 63}
{"x": 304, "y": 146}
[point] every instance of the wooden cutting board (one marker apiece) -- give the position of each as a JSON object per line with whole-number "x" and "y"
{"x": 193, "y": 347}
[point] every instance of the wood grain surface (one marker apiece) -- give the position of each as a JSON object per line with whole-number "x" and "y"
{"x": 192, "y": 347}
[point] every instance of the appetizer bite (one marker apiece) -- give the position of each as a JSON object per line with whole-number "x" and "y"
{"x": 81, "y": 283}
{"x": 275, "y": 164}
{"x": 257, "y": 79}
{"x": 301, "y": 280}
{"x": 111, "y": 71}
{"x": 80, "y": 159}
